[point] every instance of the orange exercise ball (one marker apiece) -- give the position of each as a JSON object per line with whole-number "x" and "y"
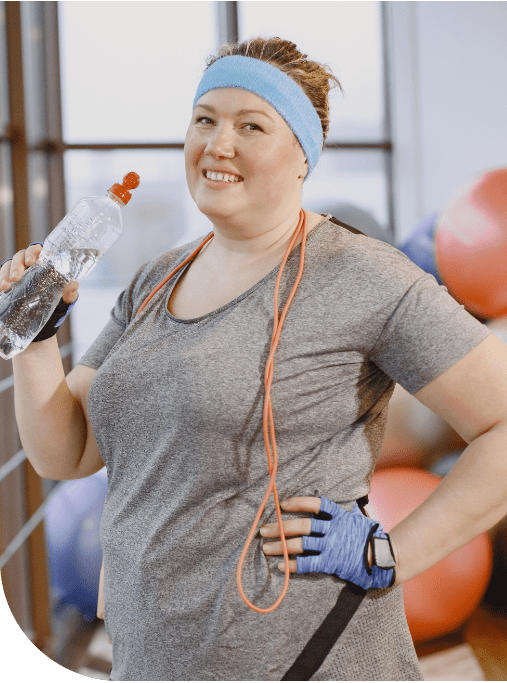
{"x": 440, "y": 599}
{"x": 471, "y": 244}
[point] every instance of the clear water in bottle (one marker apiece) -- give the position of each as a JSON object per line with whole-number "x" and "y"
{"x": 69, "y": 253}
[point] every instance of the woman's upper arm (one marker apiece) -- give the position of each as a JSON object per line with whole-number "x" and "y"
{"x": 78, "y": 381}
{"x": 471, "y": 395}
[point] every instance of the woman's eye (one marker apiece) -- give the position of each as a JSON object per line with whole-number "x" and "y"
{"x": 254, "y": 125}
{"x": 202, "y": 119}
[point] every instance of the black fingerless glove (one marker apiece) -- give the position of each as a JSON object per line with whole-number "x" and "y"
{"x": 57, "y": 317}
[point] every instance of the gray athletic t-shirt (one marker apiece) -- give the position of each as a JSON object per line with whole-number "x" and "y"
{"x": 176, "y": 409}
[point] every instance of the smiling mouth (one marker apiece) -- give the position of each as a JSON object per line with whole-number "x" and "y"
{"x": 216, "y": 176}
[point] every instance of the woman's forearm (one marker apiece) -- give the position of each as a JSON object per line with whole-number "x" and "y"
{"x": 51, "y": 422}
{"x": 471, "y": 499}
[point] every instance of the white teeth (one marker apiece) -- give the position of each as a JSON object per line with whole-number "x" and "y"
{"x": 214, "y": 175}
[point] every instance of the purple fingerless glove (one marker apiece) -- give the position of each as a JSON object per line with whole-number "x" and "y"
{"x": 343, "y": 547}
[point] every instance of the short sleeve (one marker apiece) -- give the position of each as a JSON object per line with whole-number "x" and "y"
{"x": 110, "y": 334}
{"x": 121, "y": 315}
{"x": 425, "y": 335}
{"x": 129, "y": 301}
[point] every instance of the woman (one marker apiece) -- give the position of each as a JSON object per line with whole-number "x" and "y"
{"x": 171, "y": 400}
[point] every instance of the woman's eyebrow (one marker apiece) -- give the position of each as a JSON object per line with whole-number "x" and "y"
{"x": 253, "y": 111}
{"x": 239, "y": 113}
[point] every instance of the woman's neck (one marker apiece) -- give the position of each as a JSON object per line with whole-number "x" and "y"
{"x": 238, "y": 249}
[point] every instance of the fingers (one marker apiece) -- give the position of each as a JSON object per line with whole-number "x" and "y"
{"x": 294, "y": 527}
{"x": 302, "y": 504}
{"x": 294, "y": 546}
{"x": 293, "y": 566}
{"x": 70, "y": 293}
{"x": 5, "y": 276}
{"x": 13, "y": 270}
{"x": 32, "y": 254}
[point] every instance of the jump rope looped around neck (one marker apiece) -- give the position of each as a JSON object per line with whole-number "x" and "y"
{"x": 267, "y": 417}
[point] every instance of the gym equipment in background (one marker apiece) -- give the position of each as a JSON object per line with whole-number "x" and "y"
{"x": 471, "y": 243}
{"x": 440, "y": 599}
{"x": 72, "y": 530}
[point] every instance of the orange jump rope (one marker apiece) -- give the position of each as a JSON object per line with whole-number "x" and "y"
{"x": 267, "y": 418}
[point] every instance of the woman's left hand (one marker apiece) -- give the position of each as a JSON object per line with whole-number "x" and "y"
{"x": 339, "y": 542}
{"x": 293, "y": 527}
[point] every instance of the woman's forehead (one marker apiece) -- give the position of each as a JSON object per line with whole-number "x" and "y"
{"x": 236, "y": 101}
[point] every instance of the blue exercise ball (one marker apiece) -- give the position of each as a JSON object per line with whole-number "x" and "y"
{"x": 72, "y": 530}
{"x": 420, "y": 246}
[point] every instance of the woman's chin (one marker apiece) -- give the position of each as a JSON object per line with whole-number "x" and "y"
{"x": 218, "y": 209}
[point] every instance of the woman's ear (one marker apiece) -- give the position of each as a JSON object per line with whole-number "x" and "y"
{"x": 305, "y": 171}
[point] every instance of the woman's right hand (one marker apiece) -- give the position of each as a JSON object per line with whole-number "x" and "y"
{"x": 13, "y": 270}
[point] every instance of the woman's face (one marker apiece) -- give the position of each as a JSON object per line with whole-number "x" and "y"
{"x": 237, "y": 132}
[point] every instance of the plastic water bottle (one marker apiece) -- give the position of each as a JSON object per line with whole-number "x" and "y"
{"x": 69, "y": 253}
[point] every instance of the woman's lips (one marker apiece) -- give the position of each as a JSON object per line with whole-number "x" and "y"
{"x": 224, "y": 176}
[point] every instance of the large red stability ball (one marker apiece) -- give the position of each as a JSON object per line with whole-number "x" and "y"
{"x": 471, "y": 244}
{"x": 440, "y": 599}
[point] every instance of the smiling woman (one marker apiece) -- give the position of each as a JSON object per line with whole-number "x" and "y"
{"x": 256, "y": 147}
{"x": 179, "y": 395}
{"x": 263, "y": 121}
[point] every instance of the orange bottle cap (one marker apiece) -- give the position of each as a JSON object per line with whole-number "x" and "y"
{"x": 130, "y": 182}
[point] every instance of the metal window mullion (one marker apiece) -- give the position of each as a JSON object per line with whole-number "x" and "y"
{"x": 17, "y": 581}
{"x": 37, "y": 565}
{"x": 387, "y": 128}
{"x": 27, "y": 529}
{"x": 39, "y": 602}
{"x": 227, "y": 22}
{"x": 11, "y": 464}
{"x": 51, "y": 147}
{"x": 56, "y": 182}
{"x": 108, "y": 146}
{"x": 8, "y": 382}
{"x": 17, "y": 124}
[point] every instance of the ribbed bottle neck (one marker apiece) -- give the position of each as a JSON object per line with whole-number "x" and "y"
{"x": 112, "y": 196}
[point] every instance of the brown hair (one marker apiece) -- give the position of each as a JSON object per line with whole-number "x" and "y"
{"x": 315, "y": 79}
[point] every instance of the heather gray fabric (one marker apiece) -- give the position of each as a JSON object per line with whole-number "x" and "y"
{"x": 176, "y": 409}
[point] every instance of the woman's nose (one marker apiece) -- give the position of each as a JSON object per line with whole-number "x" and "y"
{"x": 221, "y": 143}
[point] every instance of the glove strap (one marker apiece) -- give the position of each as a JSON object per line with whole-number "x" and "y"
{"x": 322, "y": 641}
{"x": 61, "y": 311}
{"x": 383, "y": 555}
{"x": 369, "y": 542}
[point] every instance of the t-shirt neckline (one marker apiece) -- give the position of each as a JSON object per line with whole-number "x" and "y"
{"x": 242, "y": 296}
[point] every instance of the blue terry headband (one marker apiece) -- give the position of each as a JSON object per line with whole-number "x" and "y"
{"x": 274, "y": 86}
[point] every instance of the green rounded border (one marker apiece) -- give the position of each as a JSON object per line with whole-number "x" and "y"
{"x": 22, "y": 661}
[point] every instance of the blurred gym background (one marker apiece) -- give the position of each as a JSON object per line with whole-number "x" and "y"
{"x": 92, "y": 90}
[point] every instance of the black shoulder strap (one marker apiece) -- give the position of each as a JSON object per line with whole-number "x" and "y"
{"x": 344, "y": 225}
{"x": 320, "y": 644}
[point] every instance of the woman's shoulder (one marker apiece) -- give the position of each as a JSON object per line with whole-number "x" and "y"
{"x": 345, "y": 247}
{"x": 154, "y": 270}
{"x": 150, "y": 274}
